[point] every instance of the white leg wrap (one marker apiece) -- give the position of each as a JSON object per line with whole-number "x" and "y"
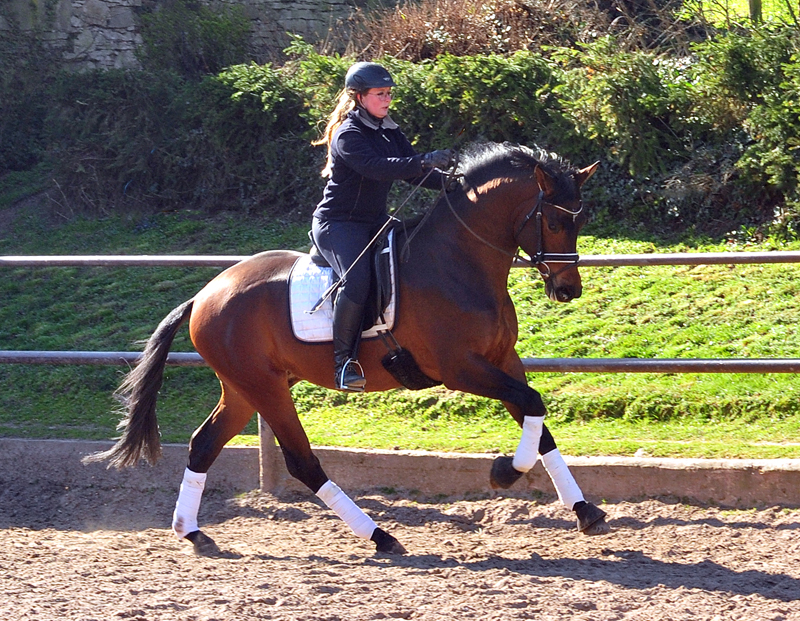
{"x": 184, "y": 519}
{"x": 339, "y": 502}
{"x": 528, "y": 450}
{"x": 568, "y": 491}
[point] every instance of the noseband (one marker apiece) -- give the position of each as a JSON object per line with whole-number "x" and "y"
{"x": 540, "y": 257}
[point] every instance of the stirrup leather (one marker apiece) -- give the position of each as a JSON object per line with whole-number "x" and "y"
{"x": 351, "y": 376}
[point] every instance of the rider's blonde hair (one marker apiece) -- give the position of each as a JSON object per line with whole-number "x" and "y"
{"x": 347, "y": 101}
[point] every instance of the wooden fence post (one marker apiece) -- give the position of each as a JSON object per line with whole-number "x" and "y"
{"x": 269, "y": 459}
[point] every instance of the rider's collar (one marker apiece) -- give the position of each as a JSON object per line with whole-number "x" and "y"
{"x": 372, "y": 122}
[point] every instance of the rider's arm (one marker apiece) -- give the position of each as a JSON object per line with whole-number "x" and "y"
{"x": 361, "y": 151}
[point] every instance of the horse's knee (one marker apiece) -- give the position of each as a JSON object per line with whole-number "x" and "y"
{"x": 547, "y": 442}
{"x": 534, "y": 405}
{"x": 307, "y": 470}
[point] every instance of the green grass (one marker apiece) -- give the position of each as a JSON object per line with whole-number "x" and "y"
{"x": 17, "y": 185}
{"x": 440, "y": 420}
{"x": 697, "y": 312}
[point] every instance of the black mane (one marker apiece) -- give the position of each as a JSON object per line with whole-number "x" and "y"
{"x": 518, "y": 159}
{"x": 483, "y": 161}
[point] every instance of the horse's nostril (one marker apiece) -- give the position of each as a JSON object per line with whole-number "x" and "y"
{"x": 565, "y": 294}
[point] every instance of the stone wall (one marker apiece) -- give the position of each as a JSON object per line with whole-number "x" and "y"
{"x": 102, "y": 34}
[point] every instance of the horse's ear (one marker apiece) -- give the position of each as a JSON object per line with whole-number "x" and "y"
{"x": 545, "y": 181}
{"x": 584, "y": 173}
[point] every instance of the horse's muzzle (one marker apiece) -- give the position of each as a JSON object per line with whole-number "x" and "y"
{"x": 562, "y": 292}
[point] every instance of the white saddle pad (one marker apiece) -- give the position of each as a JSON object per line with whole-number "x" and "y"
{"x": 307, "y": 284}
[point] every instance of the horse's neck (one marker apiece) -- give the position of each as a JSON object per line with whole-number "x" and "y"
{"x": 441, "y": 239}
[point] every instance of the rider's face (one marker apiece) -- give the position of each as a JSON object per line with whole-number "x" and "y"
{"x": 376, "y": 101}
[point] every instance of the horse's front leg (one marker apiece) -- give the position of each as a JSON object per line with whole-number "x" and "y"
{"x": 526, "y": 407}
{"x": 505, "y": 472}
{"x": 591, "y": 519}
{"x": 480, "y": 377}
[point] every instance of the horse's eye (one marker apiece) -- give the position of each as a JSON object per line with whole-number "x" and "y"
{"x": 553, "y": 227}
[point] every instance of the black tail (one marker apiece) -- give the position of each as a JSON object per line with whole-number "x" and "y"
{"x": 138, "y": 393}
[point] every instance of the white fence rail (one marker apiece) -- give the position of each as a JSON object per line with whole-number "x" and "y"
{"x": 596, "y": 260}
{"x": 541, "y": 365}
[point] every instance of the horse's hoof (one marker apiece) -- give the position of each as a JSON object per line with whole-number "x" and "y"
{"x": 203, "y": 544}
{"x": 503, "y": 474}
{"x": 592, "y": 520}
{"x": 384, "y": 542}
{"x": 600, "y": 527}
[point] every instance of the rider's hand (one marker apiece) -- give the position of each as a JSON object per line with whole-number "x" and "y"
{"x": 438, "y": 159}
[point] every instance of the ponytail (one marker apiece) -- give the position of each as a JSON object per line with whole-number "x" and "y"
{"x": 347, "y": 101}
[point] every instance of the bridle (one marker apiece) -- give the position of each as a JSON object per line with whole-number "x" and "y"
{"x": 540, "y": 257}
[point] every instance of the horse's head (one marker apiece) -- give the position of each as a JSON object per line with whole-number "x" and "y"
{"x": 540, "y": 194}
{"x": 549, "y": 225}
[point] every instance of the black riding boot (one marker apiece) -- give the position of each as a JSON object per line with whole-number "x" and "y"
{"x": 347, "y": 326}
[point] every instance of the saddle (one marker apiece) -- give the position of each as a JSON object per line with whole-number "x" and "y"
{"x": 382, "y": 285}
{"x": 311, "y": 276}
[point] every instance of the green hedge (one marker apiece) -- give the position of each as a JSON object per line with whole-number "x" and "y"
{"x": 705, "y": 143}
{"x": 122, "y": 139}
{"x": 241, "y": 138}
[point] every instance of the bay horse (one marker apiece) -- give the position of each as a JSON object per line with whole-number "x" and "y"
{"x": 455, "y": 318}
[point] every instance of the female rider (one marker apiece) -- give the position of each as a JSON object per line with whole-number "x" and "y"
{"x": 367, "y": 152}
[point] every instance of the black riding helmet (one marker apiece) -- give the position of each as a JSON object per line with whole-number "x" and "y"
{"x": 364, "y": 76}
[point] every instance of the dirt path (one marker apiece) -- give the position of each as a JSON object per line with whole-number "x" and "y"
{"x": 89, "y": 554}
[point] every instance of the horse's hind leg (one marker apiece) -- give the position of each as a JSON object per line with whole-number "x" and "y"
{"x": 227, "y": 419}
{"x": 274, "y": 401}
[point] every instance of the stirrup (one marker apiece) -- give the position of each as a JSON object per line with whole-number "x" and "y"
{"x": 351, "y": 376}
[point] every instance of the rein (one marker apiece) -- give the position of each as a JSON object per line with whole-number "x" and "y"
{"x": 447, "y": 179}
{"x": 474, "y": 234}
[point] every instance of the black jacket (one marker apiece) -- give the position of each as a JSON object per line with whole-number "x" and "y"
{"x": 368, "y": 156}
